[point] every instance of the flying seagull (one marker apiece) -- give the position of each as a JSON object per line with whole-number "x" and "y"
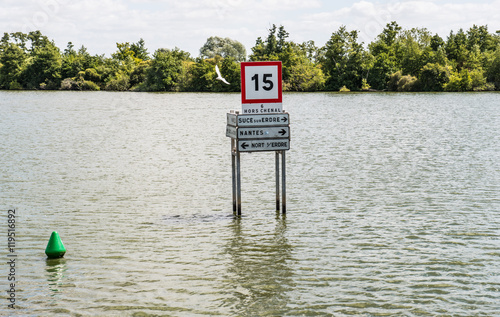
{"x": 219, "y": 76}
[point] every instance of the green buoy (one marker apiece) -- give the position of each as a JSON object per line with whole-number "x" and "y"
{"x": 55, "y": 248}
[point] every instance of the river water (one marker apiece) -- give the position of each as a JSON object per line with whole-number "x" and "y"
{"x": 393, "y": 206}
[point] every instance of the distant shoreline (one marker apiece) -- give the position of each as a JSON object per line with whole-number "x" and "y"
{"x": 397, "y": 60}
{"x": 371, "y": 91}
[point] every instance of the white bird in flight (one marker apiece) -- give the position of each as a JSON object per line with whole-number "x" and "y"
{"x": 219, "y": 76}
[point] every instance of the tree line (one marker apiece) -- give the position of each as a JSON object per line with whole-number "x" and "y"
{"x": 397, "y": 60}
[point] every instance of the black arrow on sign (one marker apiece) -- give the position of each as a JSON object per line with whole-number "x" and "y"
{"x": 282, "y": 132}
{"x": 244, "y": 145}
{"x": 284, "y": 119}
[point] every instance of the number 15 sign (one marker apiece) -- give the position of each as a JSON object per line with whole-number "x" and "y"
{"x": 261, "y": 87}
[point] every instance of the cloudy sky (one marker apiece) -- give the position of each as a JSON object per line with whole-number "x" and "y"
{"x": 99, "y": 24}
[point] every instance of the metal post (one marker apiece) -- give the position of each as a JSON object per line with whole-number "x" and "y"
{"x": 233, "y": 172}
{"x": 283, "y": 180}
{"x": 277, "y": 180}
{"x": 238, "y": 182}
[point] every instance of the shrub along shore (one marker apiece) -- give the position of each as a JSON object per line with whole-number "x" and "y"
{"x": 397, "y": 60}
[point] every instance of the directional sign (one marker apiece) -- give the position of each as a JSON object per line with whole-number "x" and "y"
{"x": 257, "y": 133}
{"x": 263, "y": 145}
{"x": 261, "y": 87}
{"x": 258, "y": 120}
{"x": 231, "y": 131}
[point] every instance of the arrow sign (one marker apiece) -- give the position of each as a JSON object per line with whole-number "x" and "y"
{"x": 258, "y": 120}
{"x": 263, "y": 145}
{"x": 257, "y": 132}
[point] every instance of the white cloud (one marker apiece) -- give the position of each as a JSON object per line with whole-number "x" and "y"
{"x": 99, "y": 24}
{"x": 371, "y": 17}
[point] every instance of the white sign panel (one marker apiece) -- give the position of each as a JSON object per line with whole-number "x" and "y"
{"x": 257, "y": 133}
{"x": 263, "y": 145}
{"x": 261, "y": 87}
{"x": 261, "y": 82}
{"x": 262, "y": 108}
{"x": 258, "y": 120}
{"x": 231, "y": 131}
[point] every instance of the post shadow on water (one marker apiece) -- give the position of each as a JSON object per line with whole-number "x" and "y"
{"x": 259, "y": 272}
{"x": 56, "y": 269}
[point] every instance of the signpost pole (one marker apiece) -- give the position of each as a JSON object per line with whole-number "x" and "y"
{"x": 283, "y": 181}
{"x": 238, "y": 182}
{"x": 277, "y": 180}
{"x": 233, "y": 164}
{"x": 262, "y": 126}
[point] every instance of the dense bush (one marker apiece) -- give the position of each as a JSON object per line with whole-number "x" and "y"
{"x": 397, "y": 60}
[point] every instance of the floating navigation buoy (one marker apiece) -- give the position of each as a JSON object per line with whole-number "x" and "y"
{"x": 55, "y": 248}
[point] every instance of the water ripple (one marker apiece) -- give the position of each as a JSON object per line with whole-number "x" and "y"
{"x": 393, "y": 206}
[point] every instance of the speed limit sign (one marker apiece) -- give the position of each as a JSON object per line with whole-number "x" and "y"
{"x": 261, "y": 87}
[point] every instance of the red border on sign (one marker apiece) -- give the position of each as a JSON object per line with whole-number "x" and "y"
{"x": 280, "y": 84}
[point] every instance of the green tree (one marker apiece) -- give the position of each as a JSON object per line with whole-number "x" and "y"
{"x": 456, "y": 48}
{"x": 37, "y": 40}
{"x": 433, "y": 77}
{"x": 125, "y": 59}
{"x": 123, "y": 53}
{"x": 44, "y": 69}
{"x": 74, "y": 61}
{"x": 471, "y": 53}
{"x": 258, "y": 51}
{"x": 202, "y": 74}
{"x": 466, "y": 80}
{"x": 139, "y": 74}
{"x": 459, "y": 81}
{"x": 493, "y": 73}
{"x": 18, "y": 39}
{"x": 408, "y": 83}
{"x": 164, "y": 72}
{"x": 312, "y": 52}
{"x": 29, "y": 60}
{"x": 268, "y": 50}
{"x": 436, "y": 42}
{"x": 479, "y": 35}
{"x": 230, "y": 70}
{"x": 405, "y": 83}
{"x": 301, "y": 71}
{"x": 282, "y": 42}
{"x": 224, "y": 47}
{"x": 386, "y": 52}
{"x": 82, "y": 71}
{"x": 271, "y": 48}
{"x": 140, "y": 50}
{"x": 305, "y": 77}
{"x": 392, "y": 84}
{"x": 12, "y": 60}
{"x": 400, "y": 60}
{"x": 416, "y": 50}
{"x": 343, "y": 60}
{"x": 119, "y": 82}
